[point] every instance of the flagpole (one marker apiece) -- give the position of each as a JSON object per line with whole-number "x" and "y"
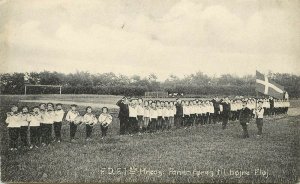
{"x": 256, "y": 99}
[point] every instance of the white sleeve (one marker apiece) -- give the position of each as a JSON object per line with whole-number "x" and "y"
{"x": 68, "y": 116}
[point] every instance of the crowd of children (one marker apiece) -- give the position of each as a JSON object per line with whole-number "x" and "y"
{"x": 42, "y": 119}
{"x": 135, "y": 115}
{"x": 139, "y": 115}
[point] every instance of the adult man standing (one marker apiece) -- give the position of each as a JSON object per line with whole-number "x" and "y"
{"x": 244, "y": 117}
{"x": 226, "y": 112}
{"x": 216, "y": 105}
{"x": 179, "y": 113}
{"x": 123, "y": 115}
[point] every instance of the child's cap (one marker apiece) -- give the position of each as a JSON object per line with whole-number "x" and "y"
{"x": 59, "y": 104}
{"x": 35, "y": 107}
{"x": 13, "y": 105}
{"x": 104, "y": 108}
{"x": 73, "y": 105}
{"x": 25, "y": 106}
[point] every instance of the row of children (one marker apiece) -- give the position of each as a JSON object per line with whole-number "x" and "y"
{"x": 39, "y": 124}
{"x": 138, "y": 115}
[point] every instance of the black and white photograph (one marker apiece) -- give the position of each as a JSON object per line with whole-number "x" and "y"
{"x": 149, "y": 91}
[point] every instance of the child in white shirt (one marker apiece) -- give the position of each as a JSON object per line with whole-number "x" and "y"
{"x": 146, "y": 115}
{"x": 140, "y": 114}
{"x": 13, "y": 126}
{"x": 71, "y": 117}
{"x": 153, "y": 117}
{"x": 24, "y": 122}
{"x": 48, "y": 118}
{"x": 35, "y": 120}
{"x": 59, "y": 115}
{"x": 105, "y": 120}
{"x": 159, "y": 110}
{"x": 90, "y": 120}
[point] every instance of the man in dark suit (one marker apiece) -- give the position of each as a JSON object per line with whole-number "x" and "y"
{"x": 216, "y": 105}
{"x": 226, "y": 112}
{"x": 123, "y": 115}
{"x": 179, "y": 113}
{"x": 244, "y": 117}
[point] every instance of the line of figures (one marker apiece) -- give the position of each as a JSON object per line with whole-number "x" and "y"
{"x": 40, "y": 123}
{"x": 136, "y": 116}
{"x": 139, "y": 115}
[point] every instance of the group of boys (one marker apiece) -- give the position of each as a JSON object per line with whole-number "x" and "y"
{"x": 137, "y": 115}
{"x": 40, "y": 123}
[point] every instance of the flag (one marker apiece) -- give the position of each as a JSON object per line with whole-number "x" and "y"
{"x": 268, "y": 87}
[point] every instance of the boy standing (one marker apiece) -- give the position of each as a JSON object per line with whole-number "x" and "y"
{"x": 140, "y": 114}
{"x": 35, "y": 119}
{"x": 70, "y": 117}
{"x": 48, "y": 120}
{"x": 13, "y": 126}
{"x": 153, "y": 117}
{"x": 259, "y": 115}
{"x": 59, "y": 115}
{"x": 24, "y": 117}
{"x": 90, "y": 120}
{"x": 105, "y": 120}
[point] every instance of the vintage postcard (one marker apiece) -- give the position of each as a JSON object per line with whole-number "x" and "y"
{"x": 149, "y": 91}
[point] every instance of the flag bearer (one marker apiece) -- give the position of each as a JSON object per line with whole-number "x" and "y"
{"x": 259, "y": 115}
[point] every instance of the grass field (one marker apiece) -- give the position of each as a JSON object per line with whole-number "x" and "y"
{"x": 203, "y": 154}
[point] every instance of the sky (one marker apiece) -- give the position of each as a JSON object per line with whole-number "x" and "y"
{"x": 140, "y": 37}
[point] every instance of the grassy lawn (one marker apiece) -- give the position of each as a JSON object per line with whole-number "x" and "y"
{"x": 202, "y": 154}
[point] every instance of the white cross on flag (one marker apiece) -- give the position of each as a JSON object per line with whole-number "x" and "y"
{"x": 268, "y": 87}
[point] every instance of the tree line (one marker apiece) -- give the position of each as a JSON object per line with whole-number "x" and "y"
{"x": 197, "y": 84}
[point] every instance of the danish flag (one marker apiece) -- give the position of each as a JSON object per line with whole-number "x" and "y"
{"x": 268, "y": 87}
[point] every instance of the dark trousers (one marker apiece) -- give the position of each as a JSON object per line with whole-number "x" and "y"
{"x": 140, "y": 122}
{"x": 23, "y": 135}
{"x": 104, "y": 130}
{"x": 192, "y": 119}
{"x": 165, "y": 123}
{"x": 46, "y": 133}
{"x": 73, "y": 129}
{"x": 186, "y": 120}
{"x": 152, "y": 124}
{"x": 133, "y": 125}
{"x": 178, "y": 121}
{"x": 88, "y": 130}
{"x": 35, "y": 135}
{"x": 57, "y": 130}
{"x": 123, "y": 125}
{"x": 259, "y": 123}
{"x": 245, "y": 130}
{"x": 159, "y": 122}
{"x": 13, "y": 137}
{"x": 225, "y": 120}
